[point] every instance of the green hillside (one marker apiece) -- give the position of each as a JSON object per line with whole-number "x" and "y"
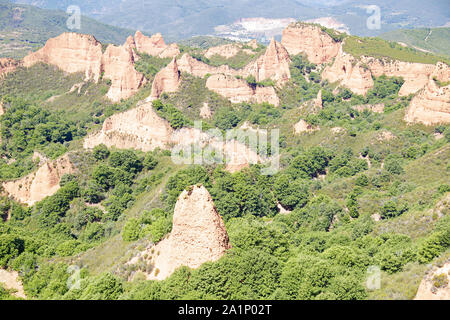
{"x": 24, "y": 28}
{"x": 436, "y": 40}
{"x": 377, "y": 47}
{"x": 120, "y": 202}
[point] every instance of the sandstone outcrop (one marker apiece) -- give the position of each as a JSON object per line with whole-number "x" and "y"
{"x": 303, "y": 126}
{"x": 40, "y": 184}
{"x": 377, "y": 108}
{"x": 274, "y": 65}
{"x": 118, "y": 66}
{"x": 416, "y": 75}
{"x": 142, "y": 129}
{"x": 198, "y": 235}
{"x": 155, "y": 46}
{"x": 432, "y": 104}
{"x": 71, "y": 52}
{"x": 227, "y": 50}
{"x": 166, "y": 80}
{"x": 139, "y": 128}
{"x": 356, "y": 74}
{"x": 238, "y": 90}
{"x": 200, "y": 69}
{"x": 7, "y": 66}
{"x": 350, "y": 73}
{"x": 309, "y": 39}
{"x": 427, "y": 289}
{"x": 11, "y": 281}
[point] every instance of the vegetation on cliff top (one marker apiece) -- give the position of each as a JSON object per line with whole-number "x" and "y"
{"x": 379, "y": 48}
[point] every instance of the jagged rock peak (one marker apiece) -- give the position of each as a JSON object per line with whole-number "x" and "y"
{"x": 155, "y": 45}
{"x": 7, "y": 65}
{"x": 311, "y": 40}
{"x": 71, "y": 52}
{"x": 166, "y": 80}
{"x": 198, "y": 234}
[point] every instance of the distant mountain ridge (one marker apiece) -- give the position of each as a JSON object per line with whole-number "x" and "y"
{"x": 436, "y": 40}
{"x": 24, "y": 28}
{"x": 182, "y": 19}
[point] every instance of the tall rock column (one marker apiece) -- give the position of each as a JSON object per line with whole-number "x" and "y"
{"x": 198, "y": 235}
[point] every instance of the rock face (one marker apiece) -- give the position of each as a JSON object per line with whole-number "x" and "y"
{"x": 318, "y": 46}
{"x": 200, "y": 69}
{"x": 356, "y": 74}
{"x": 238, "y": 90}
{"x": 198, "y": 235}
{"x": 274, "y": 64}
{"x": 142, "y": 129}
{"x": 73, "y": 52}
{"x": 118, "y": 66}
{"x": 40, "y": 184}
{"x": 377, "y": 108}
{"x": 350, "y": 72}
{"x": 155, "y": 46}
{"x": 303, "y": 126}
{"x": 7, "y": 65}
{"x": 166, "y": 80}
{"x": 227, "y": 50}
{"x": 11, "y": 281}
{"x": 428, "y": 290}
{"x": 432, "y": 104}
{"x": 139, "y": 128}
{"x": 416, "y": 75}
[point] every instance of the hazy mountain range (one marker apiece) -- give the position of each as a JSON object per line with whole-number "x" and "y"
{"x": 181, "y": 19}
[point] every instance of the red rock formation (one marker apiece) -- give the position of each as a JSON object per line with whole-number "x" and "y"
{"x": 350, "y": 72}
{"x": 40, "y": 184}
{"x": 155, "y": 46}
{"x": 198, "y": 235}
{"x": 197, "y": 68}
{"x": 427, "y": 289}
{"x": 131, "y": 44}
{"x": 139, "y": 128}
{"x": 303, "y": 126}
{"x": 238, "y": 90}
{"x": 71, "y": 52}
{"x": 274, "y": 64}
{"x": 7, "y": 65}
{"x": 166, "y": 80}
{"x": 118, "y": 66}
{"x": 309, "y": 39}
{"x": 227, "y": 50}
{"x": 142, "y": 129}
{"x": 416, "y": 75}
{"x": 432, "y": 104}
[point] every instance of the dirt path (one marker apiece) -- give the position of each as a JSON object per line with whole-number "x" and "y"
{"x": 10, "y": 280}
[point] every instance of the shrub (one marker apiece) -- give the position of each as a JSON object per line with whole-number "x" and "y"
{"x": 392, "y": 209}
{"x": 362, "y": 181}
{"x": 101, "y": 152}
{"x": 10, "y": 247}
{"x": 131, "y": 230}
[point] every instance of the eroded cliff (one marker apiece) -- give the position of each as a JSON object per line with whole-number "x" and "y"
{"x": 198, "y": 235}
{"x": 40, "y": 184}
